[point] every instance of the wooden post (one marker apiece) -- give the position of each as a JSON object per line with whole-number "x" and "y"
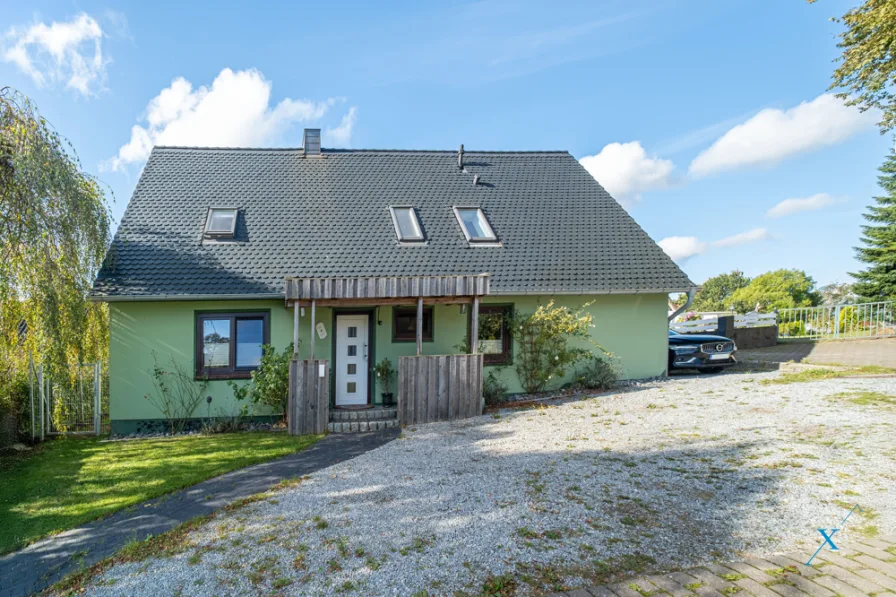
{"x": 313, "y": 331}
{"x": 419, "y": 325}
{"x": 295, "y": 330}
{"x": 474, "y": 327}
{"x": 97, "y": 388}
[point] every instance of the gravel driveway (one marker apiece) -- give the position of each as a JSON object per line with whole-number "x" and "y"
{"x": 672, "y": 473}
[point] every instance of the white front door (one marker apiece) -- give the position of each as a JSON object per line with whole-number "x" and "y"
{"x": 351, "y": 359}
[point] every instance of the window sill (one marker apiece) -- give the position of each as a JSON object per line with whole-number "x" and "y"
{"x": 225, "y": 376}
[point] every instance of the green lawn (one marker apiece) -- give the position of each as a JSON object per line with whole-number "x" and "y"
{"x": 68, "y": 481}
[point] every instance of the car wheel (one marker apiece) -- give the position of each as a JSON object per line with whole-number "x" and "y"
{"x": 709, "y": 370}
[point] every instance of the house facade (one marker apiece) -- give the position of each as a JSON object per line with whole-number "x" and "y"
{"x": 201, "y": 267}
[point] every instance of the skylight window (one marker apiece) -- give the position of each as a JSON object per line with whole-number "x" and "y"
{"x": 407, "y": 226}
{"x": 221, "y": 221}
{"x": 476, "y": 228}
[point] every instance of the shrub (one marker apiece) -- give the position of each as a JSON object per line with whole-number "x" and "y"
{"x": 493, "y": 389}
{"x": 384, "y": 372}
{"x": 542, "y": 340}
{"x": 597, "y": 374}
{"x": 270, "y": 381}
{"x": 176, "y": 393}
{"x": 792, "y": 329}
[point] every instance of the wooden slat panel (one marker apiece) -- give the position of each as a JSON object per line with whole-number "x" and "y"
{"x": 439, "y": 388}
{"x": 309, "y": 397}
{"x": 385, "y": 287}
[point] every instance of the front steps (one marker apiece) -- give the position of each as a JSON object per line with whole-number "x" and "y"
{"x": 360, "y": 421}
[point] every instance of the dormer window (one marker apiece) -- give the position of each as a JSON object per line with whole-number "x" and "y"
{"x": 474, "y": 225}
{"x": 407, "y": 225}
{"x": 221, "y": 222}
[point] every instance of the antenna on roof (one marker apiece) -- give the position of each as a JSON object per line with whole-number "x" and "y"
{"x": 475, "y": 179}
{"x": 460, "y": 157}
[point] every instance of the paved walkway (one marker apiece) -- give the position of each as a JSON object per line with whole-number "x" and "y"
{"x": 44, "y": 563}
{"x": 866, "y": 567}
{"x": 880, "y": 352}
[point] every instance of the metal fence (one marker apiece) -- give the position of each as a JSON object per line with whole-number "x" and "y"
{"x": 75, "y": 401}
{"x": 860, "y": 320}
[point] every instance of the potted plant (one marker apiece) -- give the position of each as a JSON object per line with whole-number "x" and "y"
{"x": 384, "y": 372}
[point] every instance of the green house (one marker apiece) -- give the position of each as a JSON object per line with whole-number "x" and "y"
{"x": 211, "y": 239}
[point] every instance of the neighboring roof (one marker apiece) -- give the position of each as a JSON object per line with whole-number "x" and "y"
{"x": 328, "y": 216}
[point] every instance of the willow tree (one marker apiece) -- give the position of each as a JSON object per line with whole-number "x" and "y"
{"x": 54, "y": 231}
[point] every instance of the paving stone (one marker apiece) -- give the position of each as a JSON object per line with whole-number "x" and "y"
{"x": 878, "y": 578}
{"x": 807, "y": 586}
{"x": 754, "y": 588}
{"x": 577, "y": 593}
{"x": 856, "y": 548}
{"x": 668, "y": 585}
{"x": 877, "y": 543}
{"x": 840, "y": 587}
{"x": 787, "y": 590}
{"x": 835, "y": 558}
{"x": 601, "y": 592}
{"x": 708, "y": 578}
{"x": 802, "y": 569}
{"x": 622, "y": 590}
{"x": 761, "y": 563}
{"x": 852, "y": 579}
{"x": 751, "y": 572}
{"x": 888, "y": 569}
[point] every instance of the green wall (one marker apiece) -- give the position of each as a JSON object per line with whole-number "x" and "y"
{"x": 632, "y": 327}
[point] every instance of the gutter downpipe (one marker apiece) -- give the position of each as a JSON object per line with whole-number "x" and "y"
{"x": 687, "y": 303}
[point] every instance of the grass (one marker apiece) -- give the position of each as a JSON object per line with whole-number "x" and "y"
{"x": 70, "y": 481}
{"x": 820, "y": 374}
{"x": 866, "y": 398}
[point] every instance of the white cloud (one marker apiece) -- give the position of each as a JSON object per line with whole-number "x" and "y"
{"x": 750, "y": 236}
{"x": 792, "y": 206}
{"x": 682, "y": 248}
{"x": 234, "y": 111}
{"x": 70, "y": 53}
{"x": 773, "y": 135}
{"x": 341, "y": 135}
{"x": 625, "y": 170}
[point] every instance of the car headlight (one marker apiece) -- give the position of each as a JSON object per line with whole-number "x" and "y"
{"x": 684, "y": 349}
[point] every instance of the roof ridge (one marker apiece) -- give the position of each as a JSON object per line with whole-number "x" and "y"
{"x": 341, "y": 150}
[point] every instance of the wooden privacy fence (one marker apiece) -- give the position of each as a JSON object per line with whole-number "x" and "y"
{"x": 439, "y": 388}
{"x": 309, "y": 396}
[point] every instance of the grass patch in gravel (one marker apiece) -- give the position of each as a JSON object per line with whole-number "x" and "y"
{"x": 866, "y": 398}
{"x": 70, "y": 481}
{"x": 821, "y": 374}
{"x": 165, "y": 545}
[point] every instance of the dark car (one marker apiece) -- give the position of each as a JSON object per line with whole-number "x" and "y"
{"x": 703, "y": 352}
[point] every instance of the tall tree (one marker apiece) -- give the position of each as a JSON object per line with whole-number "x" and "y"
{"x": 715, "y": 294}
{"x": 779, "y": 289}
{"x": 54, "y": 231}
{"x": 878, "y": 280}
{"x": 866, "y": 70}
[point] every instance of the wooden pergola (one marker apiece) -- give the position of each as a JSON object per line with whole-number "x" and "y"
{"x": 386, "y": 290}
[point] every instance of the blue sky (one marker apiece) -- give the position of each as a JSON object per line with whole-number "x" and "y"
{"x": 703, "y": 116}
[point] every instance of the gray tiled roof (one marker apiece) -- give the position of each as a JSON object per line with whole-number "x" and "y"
{"x": 328, "y": 216}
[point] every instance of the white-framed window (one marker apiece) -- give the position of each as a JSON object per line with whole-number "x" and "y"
{"x": 474, "y": 225}
{"x": 221, "y": 221}
{"x": 407, "y": 225}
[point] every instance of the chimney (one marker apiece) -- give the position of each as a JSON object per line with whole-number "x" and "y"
{"x": 311, "y": 142}
{"x": 475, "y": 179}
{"x": 460, "y": 157}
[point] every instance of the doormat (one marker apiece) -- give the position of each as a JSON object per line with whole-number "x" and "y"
{"x": 355, "y": 407}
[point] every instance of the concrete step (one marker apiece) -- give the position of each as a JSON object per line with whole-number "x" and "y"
{"x": 361, "y": 426}
{"x": 372, "y": 414}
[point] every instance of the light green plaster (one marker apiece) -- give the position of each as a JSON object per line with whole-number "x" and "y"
{"x": 632, "y": 327}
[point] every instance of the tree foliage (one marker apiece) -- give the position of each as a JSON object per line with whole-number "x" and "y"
{"x": 866, "y": 70}
{"x": 878, "y": 281}
{"x": 54, "y": 231}
{"x": 716, "y": 292}
{"x": 780, "y": 289}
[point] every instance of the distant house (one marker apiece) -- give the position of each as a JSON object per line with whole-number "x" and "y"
{"x": 213, "y": 239}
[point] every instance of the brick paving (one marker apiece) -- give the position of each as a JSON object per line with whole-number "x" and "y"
{"x": 881, "y": 352}
{"x": 44, "y": 563}
{"x": 861, "y": 568}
